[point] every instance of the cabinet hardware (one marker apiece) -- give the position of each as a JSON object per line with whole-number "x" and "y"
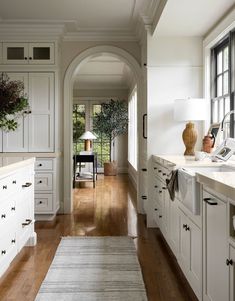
{"x": 25, "y": 58}
{"x": 3, "y": 216}
{"x": 40, "y": 202}
{"x": 159, "y": 170}
{"x": 144, "y": 169}
{"x": 229, "y": 261}
{"x": 144, "y": 197}
{"x": 164, "y": 174}
{"x": 29, "y": 112}
{"x": 13, "y": 208}
{"x": 4, "y": 187}
{"x": 187, "y": 228}
{"x": 30, "y": 58}
{"x": 155, "y": 209}
{"x": 40, "y": 182}
{"x": 25, "y": 112}
{"x": 160, "y": 191}
{"x": 40, "y": 164}
{"x": 164, "y": 188}
{"x": 155, "y": 186}
{"x": 155, "y": 168}
{"x": 26, "y": 185}
{"x": 14, "y": 182}
{"x": 144, "y": 130}
{"x": 210, "y": 201}
{"x": 160, "y": 216}
{"x": 184, "y": 226}
{"x": 3, "y": 252}
{"x": 13, "y": 241}
{"x": 28, "y": 222}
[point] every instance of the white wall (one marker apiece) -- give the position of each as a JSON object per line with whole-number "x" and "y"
{"x": 174, "y": 70}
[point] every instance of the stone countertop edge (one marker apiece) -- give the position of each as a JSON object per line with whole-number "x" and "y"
{"x": 13, "y": 165}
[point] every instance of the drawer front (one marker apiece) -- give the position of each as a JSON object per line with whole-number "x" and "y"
{"x": 44, "y": 164}
{"x": 7, "y": 210}
{"x": 7, "y": 243}
{"x": 8, "y": 185}
{"x": 43, "y": 203}
{"x": 43, "y": 181}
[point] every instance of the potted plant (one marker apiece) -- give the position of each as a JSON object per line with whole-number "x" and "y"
{"x": 12, "y": 102}
{"x": 111, "y": 121}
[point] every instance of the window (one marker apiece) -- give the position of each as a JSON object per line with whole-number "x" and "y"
{"x": 82, "y": 122}
{"x": 222, "y": 92}
{"x": 132, "y": 129}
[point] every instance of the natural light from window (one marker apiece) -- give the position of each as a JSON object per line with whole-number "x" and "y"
{"x": 132, "y": 129}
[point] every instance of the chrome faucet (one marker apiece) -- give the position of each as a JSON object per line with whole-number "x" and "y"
{"x": 225, "y": 116}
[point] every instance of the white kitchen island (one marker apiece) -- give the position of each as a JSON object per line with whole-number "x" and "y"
{"x": 16, "y": 207}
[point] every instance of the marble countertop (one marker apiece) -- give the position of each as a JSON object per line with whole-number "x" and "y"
{"x": 9, "y": 164}
{"x": 222, "y": 182}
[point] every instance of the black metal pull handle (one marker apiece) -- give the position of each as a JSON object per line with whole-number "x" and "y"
{"x": 155, "y": 186}
{"x": 144, "y": 169}
{"x": 27, "y": 185}
{"x": 210, "y": 201}
{"x": 4, "y": 187}
{"x": 187, "y": 228}
{"x": 160, "y": 216}
{"x": 155, "y": 209}
{"x": 184, "y": 226}
{"x": 144, "y": 130}
{"x": 13, "y": 241}
{"x": 27, "y": 222}
{"x": 13, "y": 208}
{"x": 3, "y": 216}
{"x": 159, "y": 170}
{"x": 155, "y": 168}
{"x": 144, "y": 197}
{"x": 14, "y": 182}
{"x": 164, "y": 174}
{"x": 164, "y": 188}
{"x": 160, "y": 191}
{"x": 4, "y": 252}
{"x": 40, "y": 164}
{"x": 229, "y": 261}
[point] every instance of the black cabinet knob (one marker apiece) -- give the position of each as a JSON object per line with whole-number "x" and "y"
{"x": 3, "y": 216}
{"x": 160, "y": 216}
{"x": 13, "y": 241}
{"x": 229, "y": 261}
{"x": 40, "y": 164}
{"x": 14, "y": 182}
{"x": 4, "y": 252}
{"x": 4, "y": 187}
{"x": 13, "y": 208}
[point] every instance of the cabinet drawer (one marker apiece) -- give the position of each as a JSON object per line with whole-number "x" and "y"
{"x": 43, "y": 181}
{"x": 7, "y": 243}
{"x": 8, "y": 185}
{"x": 44, "y": 164}
{"x": 7, "y": 210}
{"x": 43, "y": 203}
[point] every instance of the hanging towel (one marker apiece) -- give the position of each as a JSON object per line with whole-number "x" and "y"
{"x": 172, "y": 184}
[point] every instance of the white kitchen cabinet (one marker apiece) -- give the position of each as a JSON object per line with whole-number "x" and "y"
{"x": 36, "y": 127}
{"x": 46, "y": 188}
{"x": 16, "y": 208}
{"x": 215, "y": 250}
{"x": 231, "y": 264}
{"x": 28, "y": 53}
{"x": 190, "y": 252}
{"x": 174, "y": 226}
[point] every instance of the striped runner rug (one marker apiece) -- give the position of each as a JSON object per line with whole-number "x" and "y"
{"x": 94, "y": 269}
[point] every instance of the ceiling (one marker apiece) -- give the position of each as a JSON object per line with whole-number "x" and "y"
{"x": 192, "y": 17}
{"x": 104, "y": 72}
{"x": 79, "y": 15}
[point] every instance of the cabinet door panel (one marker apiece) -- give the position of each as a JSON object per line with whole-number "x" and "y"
{"x": 41, "y": 121}
{"x": 174, "y": 227}
{"x": 232, "y": 274}
{"x": 215, "y": 252}
{"x": 15, "y": 53}
{"x": 184, "y": 251}
{"x": 41, "y": 53}
{"x": 17, "y": 141}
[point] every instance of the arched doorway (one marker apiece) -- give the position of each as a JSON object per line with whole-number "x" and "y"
{"x": 68, "y": 100}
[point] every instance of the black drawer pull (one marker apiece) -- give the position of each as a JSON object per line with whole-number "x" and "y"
{"x": 30, "y": 58}
{"x": 28, "y": 222}
{"x": 25, "y": 58}
{"x": 184, "y": 226}
{"x": 40, "y": 164}
{"x": 155, "y": 168}
{"x": 160, "y": 191}
{"x": 13, "y": 208}
{"x": 3, "y": 216}
{"x": 229, "y": 261}
{"x": 40, "y": 182}
{"x": 210, "y": 201}
{"x": 144, "y": 197}
{"x": 4, "y": 252}
{"x": 26, "y": 185}
{"x": 164, "y": 188}
{"x": 160, "y": 216}
{"x": 14, "y": 182}
{"x": 159, "y": 170}
{"x": 4, "y": 187}
{"x": 40, "y": 202}
{"x": 13, "y": 241}
{"x": 155, "y": 186}
{"x": 155, "y": 209}
{"x": 187, "y": 228}
{"x": 144, "y": 169}
{"x": 164, "y": 174}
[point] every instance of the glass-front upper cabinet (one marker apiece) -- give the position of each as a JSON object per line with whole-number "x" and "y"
{"x": 28, "y": 53}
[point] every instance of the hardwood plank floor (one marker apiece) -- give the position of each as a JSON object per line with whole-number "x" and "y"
{"x": 109, "y": 209}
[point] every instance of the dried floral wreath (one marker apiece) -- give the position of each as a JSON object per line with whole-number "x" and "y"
{"x": 13, "y": 102}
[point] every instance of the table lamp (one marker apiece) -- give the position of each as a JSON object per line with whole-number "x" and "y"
{"x": 190, "y": 109}
{"x": 88, "y": 137}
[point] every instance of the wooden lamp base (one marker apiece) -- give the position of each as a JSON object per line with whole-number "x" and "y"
{"x": 87, "y": 145}
{"x": 190, "y": 138}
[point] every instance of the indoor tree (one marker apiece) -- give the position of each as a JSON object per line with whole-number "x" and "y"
{"x": 111, "y": 121}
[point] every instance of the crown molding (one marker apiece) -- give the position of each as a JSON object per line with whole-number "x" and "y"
{"x": 100, "y": 35}
{"x": 28, "y": 31}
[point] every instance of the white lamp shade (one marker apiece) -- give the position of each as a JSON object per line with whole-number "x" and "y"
{"x": 88, "y": 136}
{"x": 190, "y": 109}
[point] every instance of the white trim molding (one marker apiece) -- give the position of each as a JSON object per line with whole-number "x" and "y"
{"x": 73, "y": 69}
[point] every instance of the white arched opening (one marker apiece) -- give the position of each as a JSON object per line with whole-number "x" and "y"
{"x": 68, "y": 101}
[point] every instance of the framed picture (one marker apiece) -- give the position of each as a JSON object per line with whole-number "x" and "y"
{"x": 225, "y": 150}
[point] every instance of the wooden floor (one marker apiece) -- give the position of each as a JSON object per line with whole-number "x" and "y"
{"x": 109, "y": 209}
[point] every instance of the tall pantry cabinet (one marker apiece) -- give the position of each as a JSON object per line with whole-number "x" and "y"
{"x": 36, "y": 64}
